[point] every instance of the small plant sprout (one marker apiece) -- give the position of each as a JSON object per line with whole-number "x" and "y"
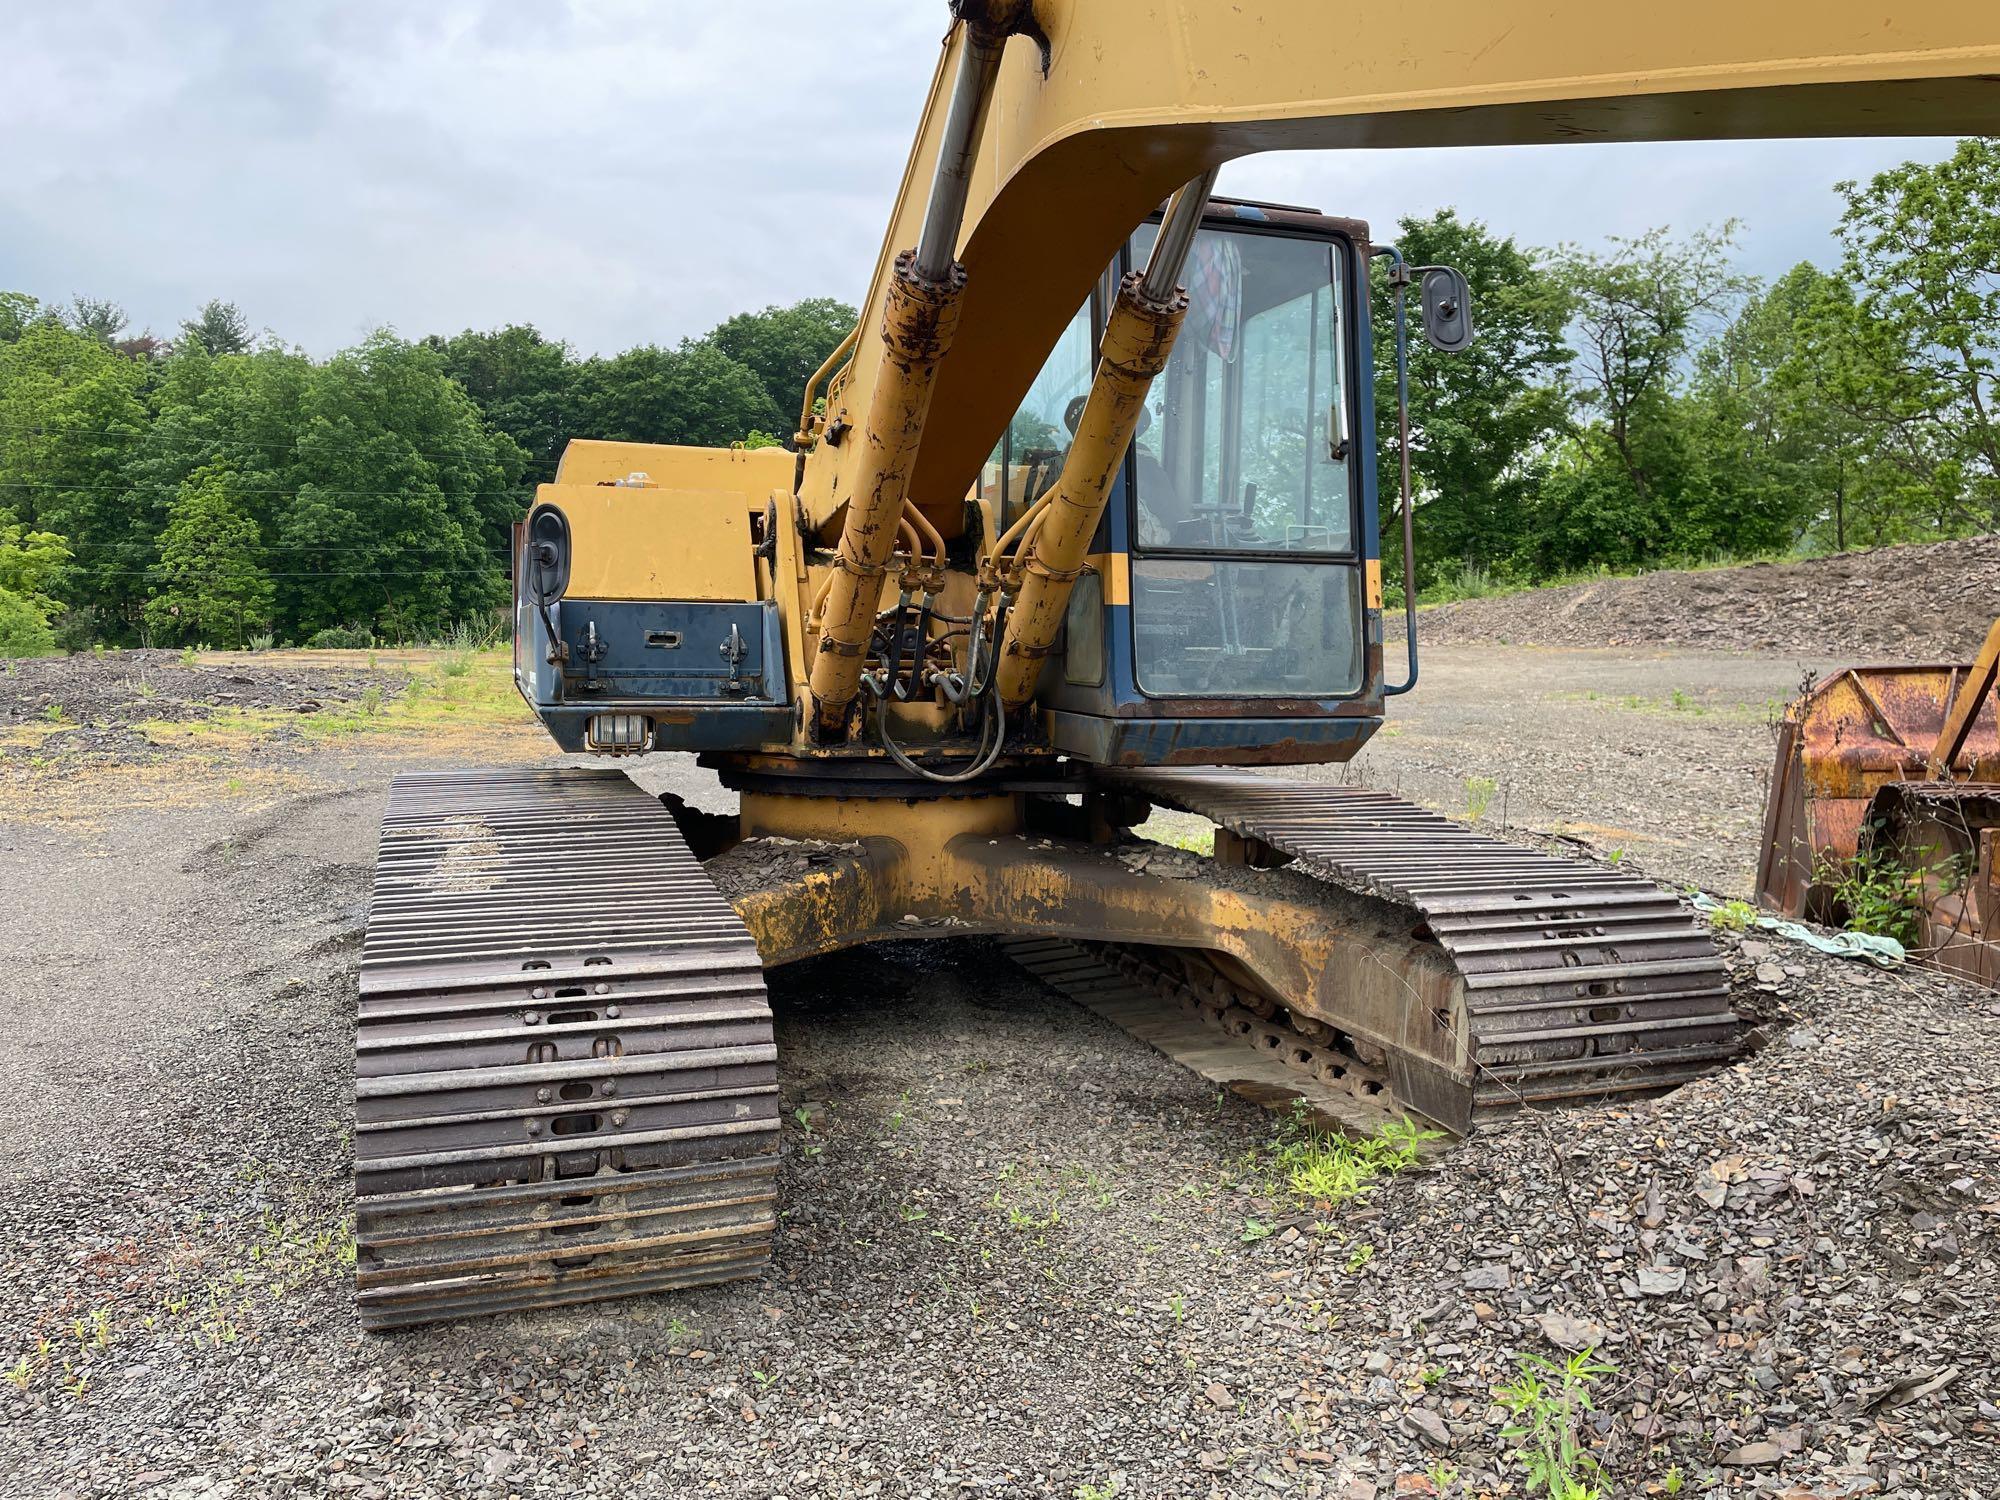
{"x": 1733, "y": 916}
{"x": 1109, "y": 1490}
{"x": 1329, "y": 1168}
{"x": 911, "y": 1213}
{"x": 20, "y": 1373}
{"x": 1441, "y": 1475}
{"x": 54, "y": 713}
{"x": 1479, "y": 792}
{"x": 765, "y": 1380}
{"x": 1432, "y": 1377}
{"x": 1177, "y": 1305}
{"x": 1256, "y": 1229}
{"x": 1673, "y": 1481}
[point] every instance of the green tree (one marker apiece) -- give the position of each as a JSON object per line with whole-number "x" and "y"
{"x": 695, "y": 394}
{"x": 400, "y": 502}
{"x": 220, "y": 328}
{"x": 30, "y": 563}
{"x": 783, "y": 346}
{"x": 18, "y": 313}
{"x": 211, "y": 585}
{"x": 97, "y": 318}
{"x": 524, "y": 386}
{"x": 1922, "y": 245}
{"x": 1482, "y": 421}
{"x": 70, "y": 410}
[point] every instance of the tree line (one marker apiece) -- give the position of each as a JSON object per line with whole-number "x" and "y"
{"x": 220, "y": 488}
{"x": 1647, "y": 405}
{"x": 1636, "y": 406}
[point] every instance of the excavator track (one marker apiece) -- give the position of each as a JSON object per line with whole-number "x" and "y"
{"x": 1580, "y": 982}
{"x": 566, "y": 1085}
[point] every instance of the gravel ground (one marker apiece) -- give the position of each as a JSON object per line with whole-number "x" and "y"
{"x": 1930, "y": 601}
{"x": 1021, "y": 1253}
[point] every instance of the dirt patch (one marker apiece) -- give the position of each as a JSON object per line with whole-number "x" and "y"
{"x": 91, "y": 705}
{"x": 1932, "y": 601}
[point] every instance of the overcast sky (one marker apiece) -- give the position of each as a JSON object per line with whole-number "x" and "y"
{"x": 624, "y": 171}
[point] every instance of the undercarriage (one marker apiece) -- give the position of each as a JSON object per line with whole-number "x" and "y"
{"x": 567, "y": 1086}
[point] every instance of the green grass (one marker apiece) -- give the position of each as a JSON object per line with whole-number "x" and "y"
{"x": 439, "y": 697}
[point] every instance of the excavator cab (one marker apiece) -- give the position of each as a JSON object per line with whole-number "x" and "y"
{"x": 1230, "y": 612}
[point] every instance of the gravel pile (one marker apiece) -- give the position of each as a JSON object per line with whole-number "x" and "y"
{"x": 1925, "y": 602}
{"x": 96, "y": 699}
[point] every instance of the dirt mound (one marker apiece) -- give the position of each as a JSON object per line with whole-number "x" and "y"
{"x": 1931, "y": 601}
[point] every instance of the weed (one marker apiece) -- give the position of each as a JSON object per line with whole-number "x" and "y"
{"x": 1177, "y": 1305}
{"x": 1358, "y": 1257}
{"x": 911, "y": 1213}
{"x": 679, "y": 1332}
{"x": 1441, "y": 1475}
{"x": 1479, "y": 792}
{"x": 1255, "y": 1230}
{"x": 1614, "y": 857}
{"x": 1109, "y": 1490}
{"x": 1547, "y": 1402}
{"x": 1432, "y": 1377}
{"x": 1332, "y": 1169}
{"x": 20, "y": 1373}
{"x": 189, "y": 656}
{"x": 371, "y": 700}
{"x": 262, "y": 641}
{"x": 1733, "y": 916}
{"x": 765, "y": 1380}
{"x": 54, "y": 713}
{"x": 1879, "y": 894}
{"x": 804, "y": 1117}
{"x": 1673, "y": 1481}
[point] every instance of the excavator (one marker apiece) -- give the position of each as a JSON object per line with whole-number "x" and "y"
{"x": 1082, "y": 521}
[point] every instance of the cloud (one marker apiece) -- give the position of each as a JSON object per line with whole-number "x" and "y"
{"x": 620, "y": 172}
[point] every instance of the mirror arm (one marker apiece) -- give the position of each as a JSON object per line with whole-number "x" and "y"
{"x": 1399, "y": 281}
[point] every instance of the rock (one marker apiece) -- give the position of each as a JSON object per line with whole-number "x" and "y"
{"x": 1422, "y": 1422}
{"x": 1771, "y": 975}
{"x": 1378, "y": 1363}
{"x": 1658, "y": 1281}
{"x": 1571, "y": 1333}
{"x": 1493, "y": 1277}
{"x": 1802, "y": 1038}
{"x": 1752, "y": 1456}
{"x": 1218, "y": 1395}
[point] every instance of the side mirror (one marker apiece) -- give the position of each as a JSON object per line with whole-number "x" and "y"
{"x": 1446, "y": 302}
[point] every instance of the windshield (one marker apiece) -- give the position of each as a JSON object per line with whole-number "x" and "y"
{"x": 1242, "y": 445}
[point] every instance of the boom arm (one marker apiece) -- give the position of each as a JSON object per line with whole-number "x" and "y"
{"x": 1140, "y": 97}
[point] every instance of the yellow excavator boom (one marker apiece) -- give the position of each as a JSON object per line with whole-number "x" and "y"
{"x": 1116, "y": 103}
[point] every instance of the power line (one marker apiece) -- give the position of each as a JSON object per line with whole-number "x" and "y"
{"x": 169, "y": 484}
{"x": 42, "y": 429}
